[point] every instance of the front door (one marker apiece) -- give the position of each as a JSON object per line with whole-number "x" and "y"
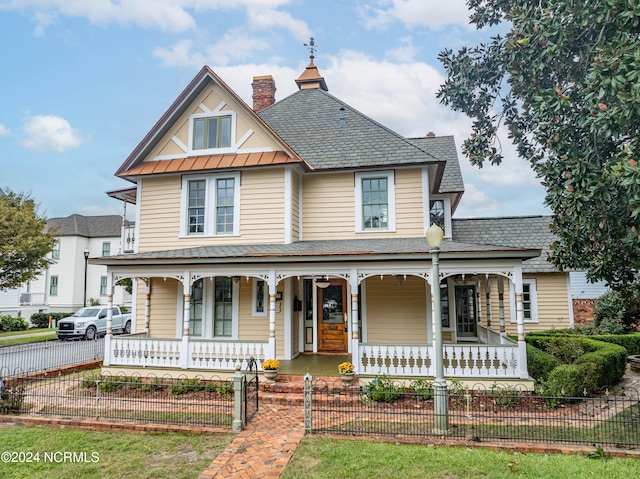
{"x": 466, "y": 311}
{"x": 332, "y": 317}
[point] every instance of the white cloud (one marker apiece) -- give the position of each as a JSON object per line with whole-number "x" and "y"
{"x": 50, "y": 133}
{"x": 266, "y": 19}
{"x": 476, "y": 203}
{"x": 164, "y": 15}
{"x": 415, "y": 13}
{"x": 180, "y": 55}
{"x": 404, "y": 52}
{"x": 4, "y": 131}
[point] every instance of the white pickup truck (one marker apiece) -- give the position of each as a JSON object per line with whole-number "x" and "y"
{"x": 91, "y": 321}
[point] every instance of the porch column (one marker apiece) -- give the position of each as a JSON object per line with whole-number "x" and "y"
{"x": 488, "y": 298}
{"x": 501, "y": 304}
{"x": 522, "y": 347}
{"x": 271, "y": 348}
{"x": 478, "y": 301}
{"x": 109, "y": 335}
{"x": 355, "y": 334}
{"x": 147, "y": 306}
{"x": 186, "y": 317}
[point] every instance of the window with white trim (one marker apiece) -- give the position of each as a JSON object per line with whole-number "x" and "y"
{"x": 529, "y": 301}
{"x": 53, "y": 286}
{"x": 436, "y": 213}
{"x": 196, "y": 309}
{"x": 211, "y": 132}
{"x": 223, "y": 307}
{"x": 375, "y": 201}
{"x": 259, "y": 295}
{"x": 103, "y": 285}
{"x": 211, "y": 205}
{"x": 55, "y": 254}
{"x": 106, "y": 248}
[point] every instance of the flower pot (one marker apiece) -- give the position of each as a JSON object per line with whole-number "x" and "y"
{"x": 347, "y": 378}
{"x": 270, "y": 375}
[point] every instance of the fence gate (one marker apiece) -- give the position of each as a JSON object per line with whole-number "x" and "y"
{"x": 250, "y": 389}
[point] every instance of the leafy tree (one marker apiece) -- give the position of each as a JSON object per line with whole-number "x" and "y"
{"x": 565, "y": 82}
{"x": 24, "y": 243}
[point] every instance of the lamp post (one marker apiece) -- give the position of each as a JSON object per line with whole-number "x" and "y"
{"x": 434, "y": 237}
{"x": 86, "y": 259}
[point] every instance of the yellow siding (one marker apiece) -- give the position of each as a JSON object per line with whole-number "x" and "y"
{"x": 261, "y": 212}
{"x": 553, "y": 303}
{"x": 295, "y": 203}
{"x": 396, "y": 312}
{"x": 164, "y": 307}
{"x": 250, "y": 327}
{"x": 329, "y": 206}
{"x": 409, "y": 209}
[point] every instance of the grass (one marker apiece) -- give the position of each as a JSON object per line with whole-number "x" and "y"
{"x": 120, "y": 455}
{"x": 319, "y": 458}
{"x": 20, "y": 340}
{"x": 167, "y": 417}
{"x": 28, "y": 331}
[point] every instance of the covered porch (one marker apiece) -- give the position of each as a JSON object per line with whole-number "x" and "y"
{"x": 215, "y": 313}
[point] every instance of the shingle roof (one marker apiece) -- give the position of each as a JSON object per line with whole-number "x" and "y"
{"x": 335, "y": 249}
{"x": 444, "y": 148}
{"x": 514, "y": 231}
{"x": 87, "y": 226}
{"x": 309, "y": 122}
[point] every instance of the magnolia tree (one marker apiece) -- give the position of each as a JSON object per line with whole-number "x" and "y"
{"x": 24, "y": 243}
{"x": 565, "y": 83}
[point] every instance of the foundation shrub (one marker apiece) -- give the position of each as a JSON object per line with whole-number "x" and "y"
{"x": 423, "y": 388}
{"x": 9, "y": 323}
{"x": 539, "y": 363}
{"x": 383, "y": 389}
{"x": 184, "y": 386}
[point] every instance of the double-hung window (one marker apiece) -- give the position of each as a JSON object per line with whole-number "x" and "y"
{"x": 375, "y": 201}
{"x": 55, "y": 254}
{"x": 211, "y": 205}
{"x": 53, "y": 286}
{"x": 223, "y": 308}
{"x": 106, "y": 248}
{"x": 103, "y": 285}
{"x": 529, "y": 301}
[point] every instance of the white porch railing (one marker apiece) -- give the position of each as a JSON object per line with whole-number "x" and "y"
{"x": 145, "y": 352}
{"x": 460, "y": 360}
{"x": 489, "y": 336}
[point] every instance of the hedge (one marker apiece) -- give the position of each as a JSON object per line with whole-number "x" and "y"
{"x": 41, "y": 320}
{"x": 9, "y": 323}
{"x": 592, "y": 364}
{"x": 539, "y": 363}
{"x": 631, "y": 341}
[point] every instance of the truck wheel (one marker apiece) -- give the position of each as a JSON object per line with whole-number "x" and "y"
{"x": 90, "y": 334}
{"x": 127, "y": 328}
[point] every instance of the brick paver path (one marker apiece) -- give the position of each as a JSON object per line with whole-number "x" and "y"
{"x": 264, "y": 448}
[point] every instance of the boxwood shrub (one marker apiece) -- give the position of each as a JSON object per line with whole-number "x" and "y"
{"x": 588, "y": 365}
{"x": 539, "y": 363}
{"x": 9, "y": 323}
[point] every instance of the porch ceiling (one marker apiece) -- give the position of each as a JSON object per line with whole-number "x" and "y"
{"x": 335, "y": 250}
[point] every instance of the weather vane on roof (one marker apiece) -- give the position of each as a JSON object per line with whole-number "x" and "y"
{"x": 311, "y": 46}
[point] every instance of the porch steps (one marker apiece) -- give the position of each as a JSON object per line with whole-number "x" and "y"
{"x": 289, "y": 389}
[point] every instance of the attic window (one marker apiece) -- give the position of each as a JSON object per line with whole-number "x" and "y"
{"x": 212, "y": 132}
{"x": 436, "y": 213}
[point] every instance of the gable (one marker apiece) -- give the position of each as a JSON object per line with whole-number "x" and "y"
{"x": 179, "y": 133}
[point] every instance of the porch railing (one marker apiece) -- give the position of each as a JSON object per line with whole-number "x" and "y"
{"x": 180, "y": 353}
{"x": 489, "y": 336}
{"x": 460, "y": 360}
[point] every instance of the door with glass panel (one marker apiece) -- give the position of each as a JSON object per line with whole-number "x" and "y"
{"x": 333, "y": 322}
{"x": 466, "y": 311}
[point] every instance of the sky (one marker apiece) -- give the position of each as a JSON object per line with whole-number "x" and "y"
{"x": 83, "y": 81}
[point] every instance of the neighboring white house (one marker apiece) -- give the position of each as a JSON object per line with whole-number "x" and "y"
{"x": 9, "y": 298}
{"x": 61, "y": 288}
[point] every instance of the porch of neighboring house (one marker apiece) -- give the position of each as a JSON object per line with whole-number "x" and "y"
{"x": 341, "y": 315}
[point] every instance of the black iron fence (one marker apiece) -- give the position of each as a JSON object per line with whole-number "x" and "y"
{"x": 149, "y": 399}
{"x": 250, "y": 386}
{"x": 21, "y": 359}
{"x": 481, "y": 414}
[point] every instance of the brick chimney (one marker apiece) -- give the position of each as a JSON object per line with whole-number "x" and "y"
{"x": 431, "y": 135}
{"x": 264, "y": 92}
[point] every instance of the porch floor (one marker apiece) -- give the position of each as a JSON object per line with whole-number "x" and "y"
{"x": 314, "y": 364}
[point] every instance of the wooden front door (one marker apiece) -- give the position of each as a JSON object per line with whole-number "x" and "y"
{"x": 332, "y": 317}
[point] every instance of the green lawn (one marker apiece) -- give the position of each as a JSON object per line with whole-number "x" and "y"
{"x": 20, "y": 340}
{"x": 109, "y": 455}
{"x": 319, "y": 458}
{"x": 28, "y": 331}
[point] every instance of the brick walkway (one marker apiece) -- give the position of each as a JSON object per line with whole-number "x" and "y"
{"x": 264, "y": 448}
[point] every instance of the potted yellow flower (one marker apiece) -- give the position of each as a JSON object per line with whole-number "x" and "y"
{"x": 270, "y": 368}
{"x": 347, "y": 372}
